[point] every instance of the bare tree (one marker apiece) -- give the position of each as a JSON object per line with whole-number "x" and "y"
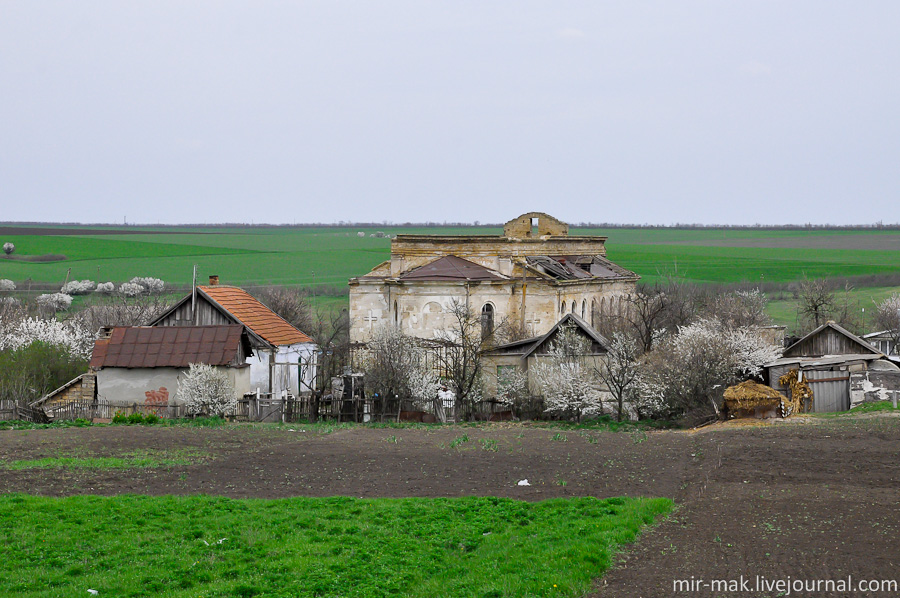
{"x": 291, "y": 303}
{"x": 815, "y": 302}
{"x": 740, "y": 308}
{"x": 121, "y": 310}
{"x": 331, "y": 332}
{"x": 464, "y": 338}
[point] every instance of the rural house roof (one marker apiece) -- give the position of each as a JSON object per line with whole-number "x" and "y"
{"x": 168, "y": 346}
{"x": 451, "y": 267}
{"x": 797, "y": 349}
{"x": 527, "y": 347}
{"x": 241, "y": 307}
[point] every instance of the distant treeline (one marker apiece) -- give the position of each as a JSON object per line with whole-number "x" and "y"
{"x": 386, "y": 224}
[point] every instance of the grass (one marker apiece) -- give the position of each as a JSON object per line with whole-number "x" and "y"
{"x": 216, "y": 547}
{"x": 137, "y": 460}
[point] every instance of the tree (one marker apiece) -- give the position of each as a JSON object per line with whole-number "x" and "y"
{"x": 464, "y": 338}
{"x": 887, "y": 317}
{"x": 30, "y": 371}
{"x": 689, "y": 373}
{"x": 390, "y": 360}
{"x": 569, "y": 387}
{"x": 8, "y": 248}
{"x": 740, "y": 308}
{"x": 620, "y": 369}
{"x": 815, "y": 301}
{"x": 206, "y": 389}
{"x": 291, "y": 303}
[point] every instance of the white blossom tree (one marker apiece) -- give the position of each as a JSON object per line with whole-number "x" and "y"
{"x": 78, "y": 287}
{"x": 130, "y": 289}
{"x": 77, "y": 339}
{"x": 149, "y": 284}
{"x": 887, "y": 317}
{"x": 570, "y": 388}
{"x": 7, "y": 285}
{"x": 205, "y": 389}
{"x": 54, "y": 301}
{"x": 106, "y": 288}
{"x": 620, "y": 369}
{"x": 8, "y": 248}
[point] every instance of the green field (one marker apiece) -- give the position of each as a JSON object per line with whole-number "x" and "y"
{"x": 330, "y": 256}
{"x": 192, "y": 546}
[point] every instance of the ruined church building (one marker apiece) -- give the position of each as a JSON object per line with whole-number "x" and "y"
{"x": 531, "y": 276}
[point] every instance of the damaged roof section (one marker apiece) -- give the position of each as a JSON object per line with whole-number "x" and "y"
{"x": 578, "y": 267}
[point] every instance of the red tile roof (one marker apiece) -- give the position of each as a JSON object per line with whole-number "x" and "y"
{"x": 168, "y": 346}
{"x": 264, "y": 322}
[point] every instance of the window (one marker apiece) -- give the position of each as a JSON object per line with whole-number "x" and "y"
{"x": 487, "y": 320}
{"x": 503, "y": 374}
{"x": 573, "y": 307}
{"x": 583, "y": 307}
{"x": 396, "y": 314}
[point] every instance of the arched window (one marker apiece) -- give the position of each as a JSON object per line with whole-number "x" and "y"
{"x": 487, "y": 320}
{"x": 593, "y": 313}
{"x": 573, "y": 307}
{"x": 583, "y": 308}
{"x": 396, "y": 314}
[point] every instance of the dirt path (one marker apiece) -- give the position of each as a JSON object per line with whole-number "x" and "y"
{"x": 814, "y": 501}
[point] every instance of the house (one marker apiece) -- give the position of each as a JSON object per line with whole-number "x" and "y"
{"x": 530, "y": 276}
{"x": 886, "y": 342}
{"x": 522, "y": 355}
{"x": 283, "y": 357}
{"x": 142, "y": 364}
{"x": 842, "y": 369}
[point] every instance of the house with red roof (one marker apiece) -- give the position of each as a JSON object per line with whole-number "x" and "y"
{"x": 283, "y": 357}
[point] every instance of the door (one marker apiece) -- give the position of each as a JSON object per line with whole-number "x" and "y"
{"x": 831, "y": 390}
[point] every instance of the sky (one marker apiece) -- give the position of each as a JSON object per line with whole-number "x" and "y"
{"x": 737, "y": 112}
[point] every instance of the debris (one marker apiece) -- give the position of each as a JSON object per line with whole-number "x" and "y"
{"x": 523, "y": 483}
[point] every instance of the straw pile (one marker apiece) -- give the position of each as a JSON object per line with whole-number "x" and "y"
{"x": 752, "y": 395}
{"x": 801, "y": 393}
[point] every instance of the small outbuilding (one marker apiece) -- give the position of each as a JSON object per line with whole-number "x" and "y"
{"x": 842, "y": 369}
{"x": 142, "y": 365}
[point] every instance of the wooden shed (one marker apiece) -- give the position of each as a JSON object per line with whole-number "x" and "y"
{"x": 834, "y": 362}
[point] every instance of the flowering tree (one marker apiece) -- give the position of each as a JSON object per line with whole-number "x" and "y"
{"x": 8, "y": 248}
{"x": 130, "y": 289}
{"x": 569, "y": 387}
{"x": 78, "y": 287}
{"x": 149, "y": 284}
{"x": 887, "y": 317}
{"x": 512, "y": 387}
{"x": 106, "y": 288}
{"x": 620, "y": 369}
{"x": 54, "y": 301}
{"x": 390, "y": 357}
{"x": 7, "y": 285}
{"x": 692, "y": 369}
{"x": 206, "y": 389}
{"x": 78, "y": 340}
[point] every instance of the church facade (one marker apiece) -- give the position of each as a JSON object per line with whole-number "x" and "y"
{"x": 530, "y": 277}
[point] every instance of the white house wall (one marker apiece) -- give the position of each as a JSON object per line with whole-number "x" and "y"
{"x": 300, "y": 359}
{"x": 126, "y": 386}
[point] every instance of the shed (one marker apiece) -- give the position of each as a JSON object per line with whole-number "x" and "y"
{"x": 141, "y": 364}
{"x": 284, "y": 358}
{"x": 836, "y": 363}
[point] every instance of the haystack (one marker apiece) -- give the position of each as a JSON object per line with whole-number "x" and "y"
{"x": 801, "y": 392}
{"x": 751, "y": 395}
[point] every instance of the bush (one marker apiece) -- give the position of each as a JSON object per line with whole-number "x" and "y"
{"x": 149, "y": 284}
{"x": 120, "y": 418}
{"x": 206, "y": 389}
{"x": 151, "y": 419}
{"x": 130, "y": 289}
{"x": 135, "y": 418}
{"x": 106, "y": 288}
{"x": 8, "y": 248}
{"x": 7, "y": 285}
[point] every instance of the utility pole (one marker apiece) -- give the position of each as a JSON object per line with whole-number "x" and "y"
{"x": 194, "y": 297}
{"x": 69, "y": 271}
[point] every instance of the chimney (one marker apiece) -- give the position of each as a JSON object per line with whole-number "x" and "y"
{"x": 213, "y": 281}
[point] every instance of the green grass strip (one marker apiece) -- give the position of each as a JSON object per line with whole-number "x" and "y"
{"x": 193, "y": 546}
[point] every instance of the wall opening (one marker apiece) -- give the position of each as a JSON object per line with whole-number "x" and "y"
{"x": 487, "y": 320}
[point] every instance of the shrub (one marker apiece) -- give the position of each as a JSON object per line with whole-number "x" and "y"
{"x": 206, "y": 389}
{"x": 106, "y": 288}
{"x": 135, "y": 418}
{"x": 130, "y": 289}
{"x": 7, "y": 285}
{"x": 119, "y": 418}
{"x": 151, "y": 419}
{"x": 149, "y": 284}
{"x": 8, "y": 248}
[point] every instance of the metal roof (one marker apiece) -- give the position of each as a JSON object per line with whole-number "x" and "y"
{"x": 168, "y": 346}
{"x": 451, "y": 268}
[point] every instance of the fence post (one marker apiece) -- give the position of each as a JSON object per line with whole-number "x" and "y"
{"x": 896, "y": 392}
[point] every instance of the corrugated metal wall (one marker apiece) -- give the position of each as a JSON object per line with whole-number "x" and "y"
{"x": 831, "y": 390}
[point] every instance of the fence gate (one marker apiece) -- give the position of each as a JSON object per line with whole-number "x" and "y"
{"x": 831, "y": 390}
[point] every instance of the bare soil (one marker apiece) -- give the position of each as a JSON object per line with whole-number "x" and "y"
{"x": 816, "y": 499}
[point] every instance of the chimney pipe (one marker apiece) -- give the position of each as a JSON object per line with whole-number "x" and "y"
{"x": 213, "y": 281}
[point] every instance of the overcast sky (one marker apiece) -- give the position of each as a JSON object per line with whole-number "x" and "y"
{"x": 639, "y": 112}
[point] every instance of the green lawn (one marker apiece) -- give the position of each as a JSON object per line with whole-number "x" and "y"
{"x": 203, "y": 546}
